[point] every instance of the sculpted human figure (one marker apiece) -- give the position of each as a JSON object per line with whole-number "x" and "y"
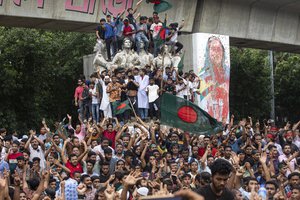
{"x": 164, "y": 59}
{"x": 127, "y": 57}
{"x": 100, "y": 62}
{"x": 145, "y": 58}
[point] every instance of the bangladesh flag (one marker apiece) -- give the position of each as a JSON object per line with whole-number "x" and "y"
{"x": 180, "y": 113}
{"x": 121, "y": 107}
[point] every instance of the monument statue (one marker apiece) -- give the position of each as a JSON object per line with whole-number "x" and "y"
{"x": 164, "y": 59}
{"x": 145, "y": 58}
{"x": 100, "y": 62}
{"x": 127, "y": 57}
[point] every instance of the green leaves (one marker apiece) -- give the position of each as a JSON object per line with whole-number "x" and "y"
{"x": 38, "y": 74}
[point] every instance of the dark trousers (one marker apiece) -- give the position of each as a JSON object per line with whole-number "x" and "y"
{"x": 109, "y": 45}
{"x": 179, "y": 46}
{"x": 154, "y": 108}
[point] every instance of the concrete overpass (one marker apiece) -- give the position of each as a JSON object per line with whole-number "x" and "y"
{"x": 265, "y": 24}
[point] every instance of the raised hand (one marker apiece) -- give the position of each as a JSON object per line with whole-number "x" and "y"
{"x": 132, "y": 178}
{"x": 110, "y": 192}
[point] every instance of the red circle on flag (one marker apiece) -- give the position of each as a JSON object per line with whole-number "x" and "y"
{"x": 123, "y": 105}
{"x": 187, "y": 114}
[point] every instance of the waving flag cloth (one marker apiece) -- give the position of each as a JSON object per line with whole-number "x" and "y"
{"x": 160, "y": 5}
{"x": 180, "y": 113}
{"x": 122, "y": 107}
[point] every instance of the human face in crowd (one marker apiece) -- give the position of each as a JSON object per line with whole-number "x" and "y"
{"x": 26, "y": 156}
{"x": 257, "y": 139}
{"x": 238, "y": 195}
{"x": 274, "y": 152}
{"x": 15, "y": 148}
{"x": 271, "y": 190}
{"x": 105, "y": 169}
{"x": 289, "y": 136}
{"x": 21, "y": 163}
{"x": 110, "y": 128}
{"x": 125, "y": 141}
{"x": 195, "y": 150}
{"x": 22, "y": 145}
{"x": 105, "y": 143}
{"x": 295, "y": 194}
{"x": 88, "y": 182}
{"x": 74, "y": 160}
{"x": 187, "y": 181}
{"x": 119, "y": 149}
{"x": 294, "y": 181}
{"x": 210, "y": 160}
{"x": 206, "y": 141}
{"x": 108, "y": 156}
{"x": 114, "y": 79}
{"x": 108, "y": 19}
{"x": 106, "y": 81}
{"x": 43, "y": 131}
{"x": 52, "y": 185}
{"x": 219, "y": 181}
{"x": 76, "y": 151}
{"x": 78, "y": 128}
{"x": 185, "y": 154}
{"x": 76, "y": 142}
{"x": 194, "y": 167}
{"x": 89, "y": 167}
{"x": 23, "y": 196}
{"x": 252, "y": 184}
{"x": 227, "y": 153}
{"x": 96, "y": 183}
{"x": 79, "y": 82}
{"x": 216, "y": 52}
{"x": 175, "y": 149}
{"x": 287, "y": 150}
{"x": 248, "y": 150}
{"x": 56, "y": 139}
{"x": 34, "y": 143}
{"x": 120, "y": 166}
{"x": 173, "y": 167}
{"x": 94, "y": 143}
{"x": 77, "y": 177}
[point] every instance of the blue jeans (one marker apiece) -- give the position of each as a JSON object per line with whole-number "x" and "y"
{"x": 143, "y": 113}
{"x": 95, "y": 111}
{"x": 141, "y": 38}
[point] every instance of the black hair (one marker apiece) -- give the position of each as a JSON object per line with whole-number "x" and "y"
{"x": 272, "y": 183}
{"x": 220, "y": 166}
{"x": 248, "y": 179}
{"x": 36, "y": 159}
{"x": 108, "y": 15}
{"x": 83, "y": 177}
{"x": 293, "y": 174}
{"x": 16, "y": 142}
{"x": 72, "y": 155}
{"x": 102, "y": 20}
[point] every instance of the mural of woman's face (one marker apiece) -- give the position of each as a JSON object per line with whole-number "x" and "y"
{"x": 216, "y": 52}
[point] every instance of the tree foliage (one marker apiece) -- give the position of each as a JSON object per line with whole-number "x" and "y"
{"x": 250, "y": 83}
{"x": 287, "y": 86}
{"x": 38, "y": 74}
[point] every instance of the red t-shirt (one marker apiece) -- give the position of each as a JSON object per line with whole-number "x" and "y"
{"x": 127, "y": 29}
{"x": 111, "y": 136}
{"x": 77, "y": 168}
{"x": 202, "y": 150}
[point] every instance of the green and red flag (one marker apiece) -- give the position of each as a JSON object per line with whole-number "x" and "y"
{"x": 180, "y": 113}
{"x": 160, "y": 5}
{"x": 122, "y": 107}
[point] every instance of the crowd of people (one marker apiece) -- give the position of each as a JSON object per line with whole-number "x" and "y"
{"x": 135, "y": 159}
{"x": 105, "y": 155}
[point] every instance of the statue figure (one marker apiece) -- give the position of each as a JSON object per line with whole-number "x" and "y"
{"x": 175, "y": 61}
{"x": 164, "y": 59}
{"x": 100, "y": 62}
{"x": 145, "y": 58}
{"x": 127, "y": 57}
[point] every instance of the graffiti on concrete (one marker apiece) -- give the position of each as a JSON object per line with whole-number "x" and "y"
{"x": 112, "y": 7}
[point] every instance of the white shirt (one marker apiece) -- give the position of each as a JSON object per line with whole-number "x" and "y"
{"x": 291, "y": 163}
{"x": 37, "y": 153}
{"x": 152, "y": 92}
{"x": 99, "y": 149}
{"x": 95, "y": 100}
{"x": 179, "y": 87}
{"x": 156, "y": 28}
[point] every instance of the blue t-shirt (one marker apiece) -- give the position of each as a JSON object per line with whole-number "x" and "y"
{"x": 109, "y": 30}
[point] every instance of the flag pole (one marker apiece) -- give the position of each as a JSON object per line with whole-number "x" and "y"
{"x": 132, "y": 108}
